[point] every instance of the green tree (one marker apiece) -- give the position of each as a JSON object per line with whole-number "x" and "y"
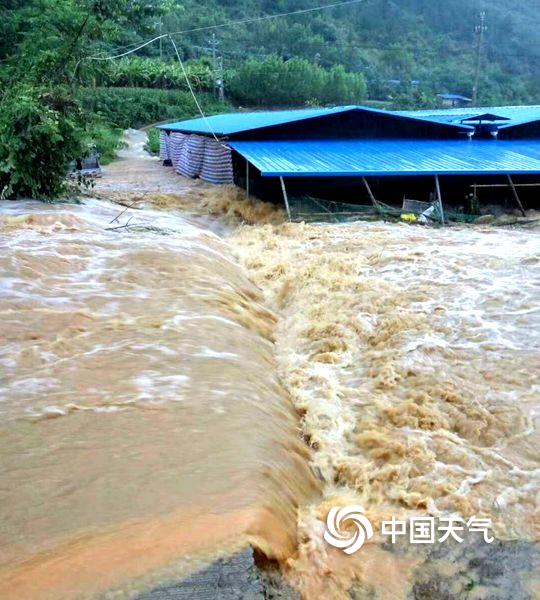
{"x": 294, "y": 82}
{"x": 42, "y": 126}
{"x": 40, "y": 133}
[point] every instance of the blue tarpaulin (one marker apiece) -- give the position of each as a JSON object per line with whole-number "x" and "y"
{"x": 352, "y": 158}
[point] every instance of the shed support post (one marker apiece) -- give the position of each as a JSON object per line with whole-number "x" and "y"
{"x": 247, "y": 179}
{"x": 370, "y": 193}
{"x": 516, "y": 195}
{"x": 439, "y": 198}
{"x": 285, "y": 198}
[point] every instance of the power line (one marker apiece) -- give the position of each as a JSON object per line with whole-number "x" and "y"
{"x": 228, "y": 24}
{"x": 267, "y": 17}
{"x": 207, "y": 122}
{"x": 113, "y": 57}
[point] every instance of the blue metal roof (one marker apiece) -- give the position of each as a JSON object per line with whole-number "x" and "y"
{"x": 229, "y": 123}
{"x": 516, "y": 115}
{"x": 351, "y": 158}
{"x": 460, "y": 118}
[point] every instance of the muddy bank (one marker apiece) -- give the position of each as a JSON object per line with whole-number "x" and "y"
{"x": 461, "y": 571}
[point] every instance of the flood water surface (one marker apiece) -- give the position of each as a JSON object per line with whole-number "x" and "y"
{"x": 141, "y": 414}
{"x": 167, "y": 393}
{"x": 414, "y": 355}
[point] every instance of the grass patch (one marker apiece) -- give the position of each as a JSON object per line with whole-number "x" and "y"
{"x": 105, "y": 140}
{"x": 152, "y": 145}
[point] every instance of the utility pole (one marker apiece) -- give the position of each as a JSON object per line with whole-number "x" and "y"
{"x": 213, "y": 44}
{"x": 217, "y": 66}
{"x": 220, "y": 83}
{"x": 160, "y": 40}
{"x": 479, "y": 30}
{"x": 159, "y": 25}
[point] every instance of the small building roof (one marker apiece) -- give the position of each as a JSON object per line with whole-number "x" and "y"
{"x": 454, "y": 97}
{"x": 513, "y": 115}
{"x": 353, "y": 158}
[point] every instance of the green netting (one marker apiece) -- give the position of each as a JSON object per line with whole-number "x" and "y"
{"x": 309, "y": 209}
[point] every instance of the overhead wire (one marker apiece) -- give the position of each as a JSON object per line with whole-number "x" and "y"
{"x": 206, "y": 121}
{"x": 228, "y": 24}
{"x": 267, "y": 17}
{"x": 205, "y": 28}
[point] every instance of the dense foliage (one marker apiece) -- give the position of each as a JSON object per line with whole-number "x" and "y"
{"x": 152, "y": 145}
{"x": 405, "y": 48}
{"x": 252, "y": 82}
{"x": 137, "y": 107}
{"x": 274, "y": 81}
{"x": 149, "y": 73}
{"x": 42, "y": 124}
{"x": 48, "y": 114}
{"x": 39, "y": 135}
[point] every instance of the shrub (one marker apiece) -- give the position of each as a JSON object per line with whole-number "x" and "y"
{"x": 40, "y": 133}
{"x": 150, "y": 73}
{"x": 137, "y": 107}
{"x": 106, "y": 140}
{"x": 293, "y": 82}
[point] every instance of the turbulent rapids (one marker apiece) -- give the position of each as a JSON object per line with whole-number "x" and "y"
{"x": 413, "y": 355}
{"x": 186, "y": 385}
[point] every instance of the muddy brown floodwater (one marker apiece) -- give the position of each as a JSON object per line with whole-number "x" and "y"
{"x": 185, "y": 386}
{"x": 414, "y": 356}
{"x": 142, "y": 415}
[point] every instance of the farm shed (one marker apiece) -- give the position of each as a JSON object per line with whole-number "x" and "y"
{"x": 360, "y": 155}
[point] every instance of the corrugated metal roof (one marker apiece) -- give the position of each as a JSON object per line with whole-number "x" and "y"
{"x": 516, "y": 115}
{"x": 350, "y": 158}
{"x": 454, "y": 97}
{"x": 229, "y": 123}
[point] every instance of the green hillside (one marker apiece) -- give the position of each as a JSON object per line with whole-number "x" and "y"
{"x": 56, "y": 102}
{"x": 429, "y": 42}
